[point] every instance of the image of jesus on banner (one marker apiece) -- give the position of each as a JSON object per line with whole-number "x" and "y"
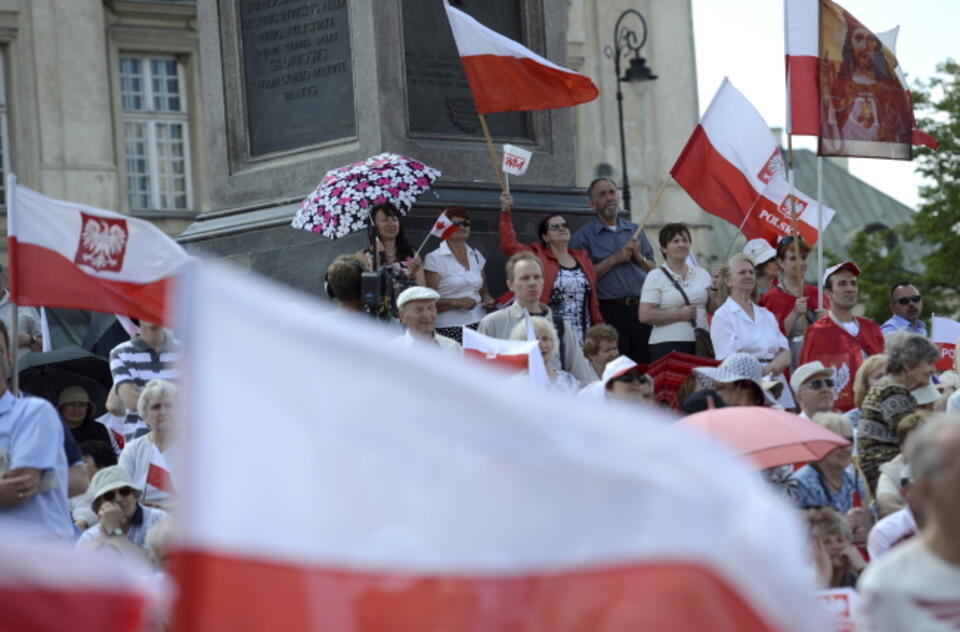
{"x": 866, "y": 110}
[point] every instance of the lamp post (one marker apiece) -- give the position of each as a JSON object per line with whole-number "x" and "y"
{"x": 625, "y": 42}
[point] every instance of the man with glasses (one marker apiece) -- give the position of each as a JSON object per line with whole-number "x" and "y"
{"x": 621, "y": 262}
{"x": 813, "y": 384}
{"x": 907, "y": 307}
{"x": 124, "y": 522}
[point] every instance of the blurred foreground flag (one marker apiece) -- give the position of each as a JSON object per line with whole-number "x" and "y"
{"x": 414, "y": 492}
{"x": 506, "y": 76}
{"x": 47, "y": 585}
{"x": 79, "y": 257}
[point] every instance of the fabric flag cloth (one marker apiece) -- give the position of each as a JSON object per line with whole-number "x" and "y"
{"x": 869, "y": 110}
{"x": 51, "y": 586}
{"x": 79, "y": 257}
{"x": 733, "y": 168}
{"x": 773, "y": 211}
{"x": 945, "y": 332}
{"x": 114, "y": 426}
{"x": 516, "y": 160}
{"x": 443, "y": 227}
{"x": 452, "y": 499}
{"x": 515, "y": 356}
{"x": 158, "y": 473}
{"x": 506, "y": 76}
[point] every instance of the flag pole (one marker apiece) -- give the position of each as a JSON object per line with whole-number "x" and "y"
{"x": 795, "y": 228}
{"x": 13, "y": 269}
{"x": 739, "y": 230}
{"x": 819, "y": 232}
{"x": 493, "y": 153}
{"x": 14, "y": 352}
{"x": 422, "y": 244}
{"x": 656, "y": 200}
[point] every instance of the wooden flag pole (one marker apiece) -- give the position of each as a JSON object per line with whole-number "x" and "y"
{"x": 656, "y": 200}
{"x": 819, "y": 232}
{"x": 493, "y": 153}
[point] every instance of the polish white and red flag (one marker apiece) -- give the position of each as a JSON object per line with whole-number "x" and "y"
{"x": 733, "y": 168}
{"x": 80, "y": 257}
{"x": 945, "y": 332}
{"x": 806, "y": 59}
{"x": 420, "y": 492}
{"x": 443, "y": 227}
{"x": 506, "y": 76}
{"x": 158, "y": 473}
{"x": 514, "y": 356}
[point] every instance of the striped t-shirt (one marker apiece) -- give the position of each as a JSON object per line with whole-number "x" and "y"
{"x": 136, "y": 361}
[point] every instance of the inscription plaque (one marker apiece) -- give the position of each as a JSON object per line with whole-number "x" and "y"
{"x": 298, "y": 78}
{"x": 438, "y": 96}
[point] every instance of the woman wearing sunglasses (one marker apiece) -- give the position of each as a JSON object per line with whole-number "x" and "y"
{"x": 569, "y": 280}
{"x": 153, "y": 459}
{"x": 455, "y": 271}
{"x": 124, "y": 522}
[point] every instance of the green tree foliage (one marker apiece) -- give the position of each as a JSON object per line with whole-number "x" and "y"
{"x": 937, "y": 221}
{"x": 935, "y": 227}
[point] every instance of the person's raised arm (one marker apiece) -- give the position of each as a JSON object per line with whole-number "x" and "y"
{"x": 508, "y": 235}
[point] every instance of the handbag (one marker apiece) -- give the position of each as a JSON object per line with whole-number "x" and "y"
{"x": 702, "y": 343}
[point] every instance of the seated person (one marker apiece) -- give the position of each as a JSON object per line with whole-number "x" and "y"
{"x": 889, "y": 495}
{"x": 418, "y": 312}
{"x": 97, "y": 455}
{"x": 124, "y": 522}
{"x": 600, "y": 346}
{"x": 342, "y": 282}
{"x": 846, "y": 563}
{"x": 829, "y": 481}
{"x": 625, "y": 380}
{"x": 546, "y": 334}
{"x": 76, "y": 410}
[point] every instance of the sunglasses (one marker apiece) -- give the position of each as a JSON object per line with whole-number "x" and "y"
{"x": 629, "y": 378}
{"x": 559, "y": 226}
{"x": 906, "y": 300}
{"x": 463, "y": 224}
{"x": 818, "y": 383}
{"x": 110, "y": 495}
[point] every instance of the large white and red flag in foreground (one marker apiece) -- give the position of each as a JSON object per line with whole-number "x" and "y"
{"x": 867, "y": 108}
{"x": 945, "y": 332}
{"x": 70, "y": 255}
{"x": 506, "y": 76}
{"x": 732, "y": 167}
{"x": 50, "y": 586}
{"x": 416, "y": 492}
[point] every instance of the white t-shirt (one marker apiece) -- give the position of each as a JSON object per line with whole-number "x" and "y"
{"x": 457, "y": 282}
{"x": 660, "y": 291}
{"x": 910, "y": 588}
{"x": 889, "y": 532}
{"x": 733, "y": 331}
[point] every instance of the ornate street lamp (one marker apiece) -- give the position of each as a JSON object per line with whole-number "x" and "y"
{"x": 625, "y": 42}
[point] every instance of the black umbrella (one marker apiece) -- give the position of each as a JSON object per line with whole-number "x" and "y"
{"x": 47, "y": 374}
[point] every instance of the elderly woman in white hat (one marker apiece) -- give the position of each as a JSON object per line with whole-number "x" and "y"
{"x": 417, "y": 310}
{"x": 765, "y": 263}
{"x": 124, "y": 522}
{"x": 739, "y": 381}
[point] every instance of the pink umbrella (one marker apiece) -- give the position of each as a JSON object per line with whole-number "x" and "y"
{"x": 768, "y": 437}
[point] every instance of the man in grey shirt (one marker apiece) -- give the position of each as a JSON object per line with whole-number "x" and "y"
{"x": 621, "y": 263}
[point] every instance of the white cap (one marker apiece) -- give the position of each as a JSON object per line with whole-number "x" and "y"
{"x": 807, "y": 371}
{"x": 759, "y": 250}
{"x": 618, "y": 367}
{"x": 417, "y": 293}
{"x": 846, "y": 265}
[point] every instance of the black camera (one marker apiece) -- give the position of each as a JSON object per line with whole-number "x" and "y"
{"x": 377, "y": 293}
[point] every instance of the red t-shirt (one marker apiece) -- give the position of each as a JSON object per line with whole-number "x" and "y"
{"x": 833, "y": 345}
{"x": 781, "y": 302}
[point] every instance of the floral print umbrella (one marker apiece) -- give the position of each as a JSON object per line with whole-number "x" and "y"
{"x": 342, "y": 202}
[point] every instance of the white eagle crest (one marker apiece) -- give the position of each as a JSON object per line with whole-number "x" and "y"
{"x": 102, "y": 243}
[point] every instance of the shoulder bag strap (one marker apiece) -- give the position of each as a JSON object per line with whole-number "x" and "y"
{"x": 679, "y": 289}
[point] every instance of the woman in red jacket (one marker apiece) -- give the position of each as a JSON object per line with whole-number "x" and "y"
{"x": 569, "y": 281}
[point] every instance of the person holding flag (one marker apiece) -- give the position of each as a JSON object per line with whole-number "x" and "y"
{"x": 455, "y": 271}
{"x": 150, "y": 460}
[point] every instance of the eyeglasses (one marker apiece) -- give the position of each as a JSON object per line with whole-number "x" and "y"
{"x": 463, "y": 224}
{"x": 110, "y": 495}
{"x": 906, "y": 300}
{"x": 818, "y": 383}
{"x": 629, "y": 378}
{"x": 559, "y": 226}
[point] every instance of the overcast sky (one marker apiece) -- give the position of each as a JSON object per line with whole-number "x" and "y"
{"x": 743, "y": 40}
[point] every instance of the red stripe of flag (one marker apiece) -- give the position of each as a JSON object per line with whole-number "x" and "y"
{"x": 160, "y": 478}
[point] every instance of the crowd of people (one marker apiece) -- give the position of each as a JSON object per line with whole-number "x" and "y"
{"x": 883, "y": 510}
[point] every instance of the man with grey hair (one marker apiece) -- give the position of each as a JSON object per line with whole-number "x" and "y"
{"x": 417, "y": 309}
{"x": 917, "y": 585}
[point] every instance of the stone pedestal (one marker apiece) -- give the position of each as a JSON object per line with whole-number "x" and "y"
{"x": 295, "y": 90}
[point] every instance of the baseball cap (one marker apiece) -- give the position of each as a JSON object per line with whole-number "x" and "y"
{"x": 759, "y": 250}
{"x": 619, "y": 367}
{"x": 846, "y": 265}
{"x": 417, "y": 293}
{"x": 807, "y": 371}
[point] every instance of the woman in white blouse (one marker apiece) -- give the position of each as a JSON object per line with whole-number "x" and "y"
{"x": 741, "y": 326}
{"x": 663, "y": 305}
{"x": 455, "y": 270}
